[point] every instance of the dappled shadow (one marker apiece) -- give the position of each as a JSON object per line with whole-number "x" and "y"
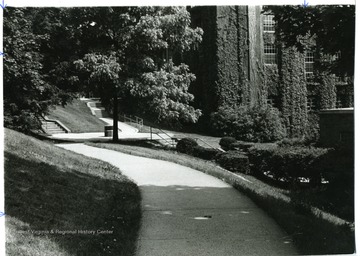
{"x": 48, "y": 198}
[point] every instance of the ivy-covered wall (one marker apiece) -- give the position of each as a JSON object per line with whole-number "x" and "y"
{"x": 327, "y": 90}
{"x": 258, "y": 90}
{"x": 232, "y": 55}
{"x": 293, "y": 91}
{"x": 230, "y": 69}
{"x": 272, "y": 84}
{"x": 228, "y": 63}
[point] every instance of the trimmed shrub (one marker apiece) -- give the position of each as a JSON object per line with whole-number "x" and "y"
{"x": 292, "y": 142}
{"x": 254, "y": 124}
{"x": 234, "y": 161}
{"x": 226, "y": 142}
{"x": 205, "y": 153}
{"x": 288, "y": 163}
{"x": 186, "y": 146}
{"x": 242, "y": 145}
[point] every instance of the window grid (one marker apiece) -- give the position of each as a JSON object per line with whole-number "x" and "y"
{"x": 309, "y": 64}
{"x": 269, "y": 23}
{"x": 270, "y": 54}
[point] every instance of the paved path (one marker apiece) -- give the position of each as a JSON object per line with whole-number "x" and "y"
{"x": 186, "y": 212}
{"x": 123, "y": 127}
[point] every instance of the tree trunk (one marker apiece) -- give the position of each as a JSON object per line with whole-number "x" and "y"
{"x": 115, "y": 119}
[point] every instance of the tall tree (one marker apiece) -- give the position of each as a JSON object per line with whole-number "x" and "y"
{"x": 39, "y": 53}
{"x": 131, "y": 55}
{"x": 27, "y": 93}
{"x": 331, "y": 26}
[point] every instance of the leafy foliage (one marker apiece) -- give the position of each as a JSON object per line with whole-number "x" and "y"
{"x": 53, "y": 52}
{"x": 226, "y": 142}
{"x": 326, "y": 24}
{"x": 205, "y": 153}
{"x": 288, "y": 163}
{"x": 234, "y": 161}
{"x": 293, "y": 92}
{"x": 27, "y": 93}
{"x": 186, "y": 145}
{"x": 256, "y": 124}
{"x": 134, "y": 60}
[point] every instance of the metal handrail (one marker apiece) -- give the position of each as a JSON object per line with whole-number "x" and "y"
{"x": 207, "y": 143}
{"x": 140, "y": 122}
{"x": 137, "y": 120}
{"x": 198, "y": 139}
{"x": 159, "y": 134}
{"x": 62, "y": 126}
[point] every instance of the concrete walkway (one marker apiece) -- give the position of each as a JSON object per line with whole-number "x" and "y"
{"x": 123, "y": 127}
{"x": 186, "y": 212}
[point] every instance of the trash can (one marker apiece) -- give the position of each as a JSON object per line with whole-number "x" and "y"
{"x": 108, "y": 131}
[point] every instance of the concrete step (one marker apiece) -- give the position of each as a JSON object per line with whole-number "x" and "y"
{"x": 167, "y": 142}
{"x": 55, "y": 132}
{"x": 101, "y": 113}
{"x": 52, "y": 127}
{"x": 95, "y": 104}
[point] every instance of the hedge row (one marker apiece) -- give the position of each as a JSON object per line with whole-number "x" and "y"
{"x": 285, "y": 162}
{"x": 190, "y": 146}
{"x": 288, "y": 164}
{"x": 232, "y": 160}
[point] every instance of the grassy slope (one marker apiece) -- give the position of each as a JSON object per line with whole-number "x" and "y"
{"x": 77, "y": 117}
{"x": 311, "y": 234}
{"x": 48, "y": 188}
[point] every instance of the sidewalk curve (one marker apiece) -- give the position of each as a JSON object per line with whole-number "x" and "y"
{"x": 186, "y": 212}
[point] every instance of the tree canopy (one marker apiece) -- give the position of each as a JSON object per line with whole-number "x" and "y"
{"x": 27, "y": 92}
{"x": 331, "y": 26}
{"x": 113, "y": 52}
{"x": 132, "y": 58}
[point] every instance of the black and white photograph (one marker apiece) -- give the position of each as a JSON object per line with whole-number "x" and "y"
{"x": 178, "y": 130}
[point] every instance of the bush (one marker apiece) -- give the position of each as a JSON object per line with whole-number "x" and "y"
{"x": 312, "y": 131}
{"x": 226, "y": 142}
{"x": 205, "y": 153}
{"x": 288, "y": 163}
{"x": 186, "y": 146}
{"x": 254, "y": 124}
{"x": 292, "y": 142}
{"x": 234, "y": 161}
{"x": 242, "y": 145}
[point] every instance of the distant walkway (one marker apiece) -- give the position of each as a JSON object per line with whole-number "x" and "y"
{"x": 186, "y": 212}
{"x": 125, "y": 131}
{"x": 123, "y": 127}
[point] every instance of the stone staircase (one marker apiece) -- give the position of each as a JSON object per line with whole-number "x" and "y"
{"x": 51, "y": 127}
{"x": 97, "y": 109}
{"x": 165, "y": 140}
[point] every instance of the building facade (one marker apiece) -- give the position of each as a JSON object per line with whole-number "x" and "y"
{"x": 240, "y": 62}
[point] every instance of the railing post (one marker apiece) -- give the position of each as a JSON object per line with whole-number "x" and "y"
{"x": 150, "y": 133}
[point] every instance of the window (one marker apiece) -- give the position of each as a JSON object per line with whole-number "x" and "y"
{"x": 270, "y": 54}
{"x": 269, "y": 23}
{"x": 311, "y": 104}
{"x": 309, "y": 65}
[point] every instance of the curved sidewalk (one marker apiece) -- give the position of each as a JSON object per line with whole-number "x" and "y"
{"x": 186, "y": 212}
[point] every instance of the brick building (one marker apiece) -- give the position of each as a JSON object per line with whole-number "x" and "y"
{"x": 240, "y": 62}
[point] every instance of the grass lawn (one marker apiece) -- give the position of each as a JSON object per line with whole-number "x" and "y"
{"x": 77, "y": 117}
{"x": 51, "y": 195}
{"x": 313, "y": 231}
